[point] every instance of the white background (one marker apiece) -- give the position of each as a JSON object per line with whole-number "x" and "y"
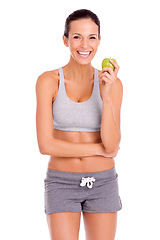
{"x": 31, "y": 43}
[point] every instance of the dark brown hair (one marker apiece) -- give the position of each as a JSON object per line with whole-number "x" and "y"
{"x": 81, "y": 14}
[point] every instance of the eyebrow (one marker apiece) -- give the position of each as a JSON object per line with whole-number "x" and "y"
{"x": 93, "y": 34}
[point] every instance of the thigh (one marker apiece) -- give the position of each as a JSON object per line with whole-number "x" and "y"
{"x": 100, "y": 226}
{"x": 64, "y": 225}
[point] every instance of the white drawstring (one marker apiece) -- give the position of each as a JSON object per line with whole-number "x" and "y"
{"x": 87, "y": 180}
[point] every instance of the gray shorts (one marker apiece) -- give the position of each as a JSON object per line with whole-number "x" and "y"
{"x": 95, "y": 192}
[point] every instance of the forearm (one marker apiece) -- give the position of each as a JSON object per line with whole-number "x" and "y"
{"x": 110, "y": 133}
{"x": 61, "y": 148}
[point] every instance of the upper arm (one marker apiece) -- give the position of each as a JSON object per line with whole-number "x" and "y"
{"x": 45, "y": 92}
{"x": 117, "y": 100}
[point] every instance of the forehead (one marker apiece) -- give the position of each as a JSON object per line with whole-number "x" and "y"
{"x": 84, "y": 26}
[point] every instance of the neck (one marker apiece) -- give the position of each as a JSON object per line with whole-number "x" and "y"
{"x": 77, "y": 71}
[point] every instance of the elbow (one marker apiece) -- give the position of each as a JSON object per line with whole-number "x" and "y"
{"x": 47, "y": 148}
{"x": 111, "y": 144}
{"x": 42, "y": 149}
{"x": 110, "y": 148}
{"x": 43, "y": 152}
{"x": 46, "y": 144}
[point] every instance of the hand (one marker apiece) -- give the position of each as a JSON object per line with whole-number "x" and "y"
{"x": 113, "y": 154}
{"x": 107, "y": 80}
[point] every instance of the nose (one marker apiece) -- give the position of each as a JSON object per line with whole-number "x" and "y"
{"x": 84, "y": 43}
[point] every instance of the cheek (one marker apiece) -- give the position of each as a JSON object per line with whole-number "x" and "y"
{"x": 94, "y": 45}
{"x": 73, "y": 44}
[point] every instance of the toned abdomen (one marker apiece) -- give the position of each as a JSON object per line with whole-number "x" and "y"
{"x": 85, "y": 164}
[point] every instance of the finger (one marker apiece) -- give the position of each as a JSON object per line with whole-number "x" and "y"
{"x": 116, "y": 69}
{"x": 108, "y": 76}
{"x": 107, "y": 69}
{"x": 116, "y": 72}
{"x": 106, "y": 79}
{"x": 112, "y": 75}
{"x": 115, "y": 64}
{"x": 101, "y": 80}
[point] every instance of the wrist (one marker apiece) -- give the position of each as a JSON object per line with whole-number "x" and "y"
{"x": 107, "y": 99}
{"x": 100, "y": 149}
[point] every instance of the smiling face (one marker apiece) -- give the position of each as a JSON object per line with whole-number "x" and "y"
{"x": 83, "y": 40}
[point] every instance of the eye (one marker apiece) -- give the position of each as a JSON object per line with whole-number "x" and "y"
{"x": 76, "y": 37}
{"x": 92, "y": 37}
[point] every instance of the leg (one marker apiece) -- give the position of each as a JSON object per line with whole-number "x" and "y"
{"x": 64, "y": 225}
{"x": 100, "y": 226}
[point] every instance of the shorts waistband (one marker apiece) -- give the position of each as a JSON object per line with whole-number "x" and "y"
{"x": 76, "y": 175}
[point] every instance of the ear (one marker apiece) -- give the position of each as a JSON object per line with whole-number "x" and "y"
{"x": 65, "y": 41}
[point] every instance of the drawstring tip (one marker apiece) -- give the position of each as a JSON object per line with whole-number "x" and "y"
{"x": 89, "y": 181}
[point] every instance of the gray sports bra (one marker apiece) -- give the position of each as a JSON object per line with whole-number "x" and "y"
{"x": 77, "y": 116}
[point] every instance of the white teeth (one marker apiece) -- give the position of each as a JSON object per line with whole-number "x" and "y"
{"x": 84, "y": 53}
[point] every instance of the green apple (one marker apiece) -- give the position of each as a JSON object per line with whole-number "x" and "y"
{"x": 106, "y": 63}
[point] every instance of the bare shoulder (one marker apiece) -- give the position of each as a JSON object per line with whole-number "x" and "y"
{"x": 48, "y": 81}
{"x": 118, "y": 82}
{"x": 48, "y": 78}
{"x": 118, "y": 87}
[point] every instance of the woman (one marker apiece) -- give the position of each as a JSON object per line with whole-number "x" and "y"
{"x": 78, "y": 125}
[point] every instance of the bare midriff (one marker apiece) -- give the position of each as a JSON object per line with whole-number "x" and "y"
{"x": 80, "y": 164}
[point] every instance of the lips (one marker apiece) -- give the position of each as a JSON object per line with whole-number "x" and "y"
{"x": 84, "y": 54}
